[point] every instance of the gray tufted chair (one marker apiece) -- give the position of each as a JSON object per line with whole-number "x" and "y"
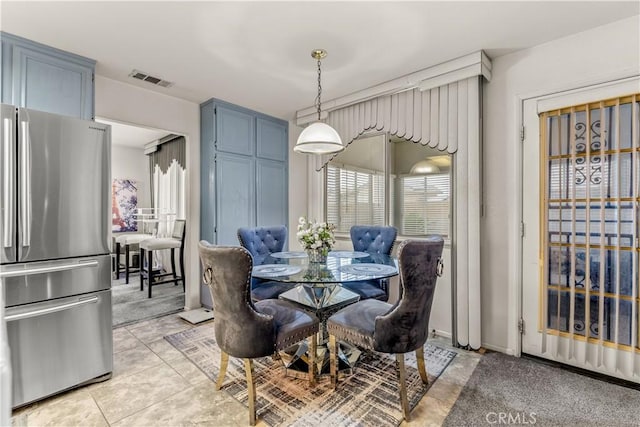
{"x": 400, "y": 328}
{"x": 374, "y": 240}
{"x": 244, "y": 329}
{"x": 262, "y": 242}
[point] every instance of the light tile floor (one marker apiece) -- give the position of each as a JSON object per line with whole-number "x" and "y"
{"x": 153, "y": 384}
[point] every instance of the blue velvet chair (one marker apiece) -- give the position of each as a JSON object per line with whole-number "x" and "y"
{"x": 261, "y": 242}
{"x": 374, "y": 240}
{"x": 396, "y": 329}
{"x": 245, "y": 329}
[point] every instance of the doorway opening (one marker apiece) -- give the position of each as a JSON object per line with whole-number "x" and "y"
{"x": 148, "y": 174}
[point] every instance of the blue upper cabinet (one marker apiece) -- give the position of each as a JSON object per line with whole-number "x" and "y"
{"x": 244, "y": 170}
{"x": 43, "y": 78}
{"x": 235, "y": 131}
{"x": 270, "y": 137}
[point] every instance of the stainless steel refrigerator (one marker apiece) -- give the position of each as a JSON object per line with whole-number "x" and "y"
{"x": 55, "y": 258}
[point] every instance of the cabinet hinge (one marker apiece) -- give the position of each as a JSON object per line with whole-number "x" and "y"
{"x": 522, "y": 229}
{"x": 215, "y": 110}
{"x": 93, "y": 77}
{"x": 522, "y": 134}
{"x": 521, "y": 326}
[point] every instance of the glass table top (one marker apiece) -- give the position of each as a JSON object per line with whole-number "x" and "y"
{"x": 347, "y": 266}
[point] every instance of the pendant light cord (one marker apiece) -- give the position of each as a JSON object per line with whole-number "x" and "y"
{"x": 318, "y": 102}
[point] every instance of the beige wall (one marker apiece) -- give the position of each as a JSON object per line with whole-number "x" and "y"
{"x": 601, "y": 54}
{"x": 133, "y": 105}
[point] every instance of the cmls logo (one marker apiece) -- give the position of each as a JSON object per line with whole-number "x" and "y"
{"x": 511, "y": 418}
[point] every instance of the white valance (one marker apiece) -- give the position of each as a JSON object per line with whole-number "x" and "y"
{"x": 435, "y": 117}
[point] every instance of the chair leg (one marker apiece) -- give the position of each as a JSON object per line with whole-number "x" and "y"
{"x": 421, "y": 366}
{"x": 126, "y": 263}
{"x": 313, "y": 339}
{"x": 333, "y": 360}
{"x": 117, "y": 261}
{"x": 251, "y": 389}
{"x": 184, "y": 285}
{"x": 141, "y": 261}
{"x": 173, "y": 266}
{"x": 402, "y": 379}
{"x": 150, "y": 270}
{"x": 224, "y": 362}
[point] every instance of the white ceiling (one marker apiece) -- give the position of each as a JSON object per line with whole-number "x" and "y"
{"x": 258, "y": 54}
{"x": 131, "y": 136}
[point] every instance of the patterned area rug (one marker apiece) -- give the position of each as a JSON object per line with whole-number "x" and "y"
{"x": 370, "y": 397}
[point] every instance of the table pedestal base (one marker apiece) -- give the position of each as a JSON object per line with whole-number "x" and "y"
{"x": 296, "y": 360}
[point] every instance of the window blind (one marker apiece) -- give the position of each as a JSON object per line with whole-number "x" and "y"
{"x": 425, "y": 205}
{"x": 354, "y": 197}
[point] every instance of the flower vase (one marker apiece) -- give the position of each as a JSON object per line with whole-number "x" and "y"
{"x": 316, "y": 255}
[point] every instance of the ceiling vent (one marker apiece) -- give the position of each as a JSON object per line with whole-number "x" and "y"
{"x": 140, "y": 75}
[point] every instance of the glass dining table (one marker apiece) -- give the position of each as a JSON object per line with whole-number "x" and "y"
{"x": 316, "y": 288}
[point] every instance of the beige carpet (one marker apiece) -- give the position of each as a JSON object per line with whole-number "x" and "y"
{"x": 370, "y": 397}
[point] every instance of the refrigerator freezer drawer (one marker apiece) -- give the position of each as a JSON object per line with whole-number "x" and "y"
{"x": 56, "y": 345}
{"x": 39, "y": 281}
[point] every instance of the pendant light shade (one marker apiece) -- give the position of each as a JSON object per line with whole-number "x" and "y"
{"x": 425, "y": 166}
{"x": 318, "y": 137}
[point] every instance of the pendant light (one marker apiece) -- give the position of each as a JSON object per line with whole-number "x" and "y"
{"x": 425, "y": 166}
{"x": 318, "y": 137}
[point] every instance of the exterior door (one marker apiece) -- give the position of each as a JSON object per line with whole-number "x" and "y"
{"x": 581, "y": 166}
{"x": 63, "y": 201}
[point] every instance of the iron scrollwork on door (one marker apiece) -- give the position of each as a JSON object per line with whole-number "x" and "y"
{"x": 595, "y": 163}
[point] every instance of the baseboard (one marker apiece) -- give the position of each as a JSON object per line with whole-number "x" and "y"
{"x": 440, "y": 333}
{"x": 499, "y": 349}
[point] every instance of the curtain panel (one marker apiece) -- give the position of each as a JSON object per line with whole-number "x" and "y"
{"x": 170, "y": 148}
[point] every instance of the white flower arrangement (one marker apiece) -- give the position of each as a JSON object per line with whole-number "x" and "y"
{"x": 315, "y": 236}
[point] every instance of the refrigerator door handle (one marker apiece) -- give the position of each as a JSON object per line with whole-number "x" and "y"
{"x": 25, "y": 182}
{"x": 48, "y": 310}
{"x": 8, "y": 272}
{"x": 8, "y": 188}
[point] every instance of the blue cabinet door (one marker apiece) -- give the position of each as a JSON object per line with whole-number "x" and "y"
{"x": 271, "y": 193}
{"x": 235, "y": 196}
{"x": 272, "y": 139}
{"x": 235, "y": 131}
{"x": 48, "y": 82}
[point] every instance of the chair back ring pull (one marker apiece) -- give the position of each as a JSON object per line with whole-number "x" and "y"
{"x": 207, "y": 276}
{"x": 440, "y": 267}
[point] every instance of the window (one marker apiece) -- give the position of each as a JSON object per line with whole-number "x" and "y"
{"x": 376, "y": 182}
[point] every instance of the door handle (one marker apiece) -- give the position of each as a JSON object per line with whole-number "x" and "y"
{"x": 8, "y": 184}
{"x": 25, "y": 182}
{"x": 48, "y": 310}
{"x": 8, "y": 272}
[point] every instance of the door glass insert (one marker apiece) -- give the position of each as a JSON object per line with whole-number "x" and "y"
{"x": 590, "y": 221}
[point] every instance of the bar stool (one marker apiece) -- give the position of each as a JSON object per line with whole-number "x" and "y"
{"x": 148, "y": 246}
{"x": 127, "y": 240}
